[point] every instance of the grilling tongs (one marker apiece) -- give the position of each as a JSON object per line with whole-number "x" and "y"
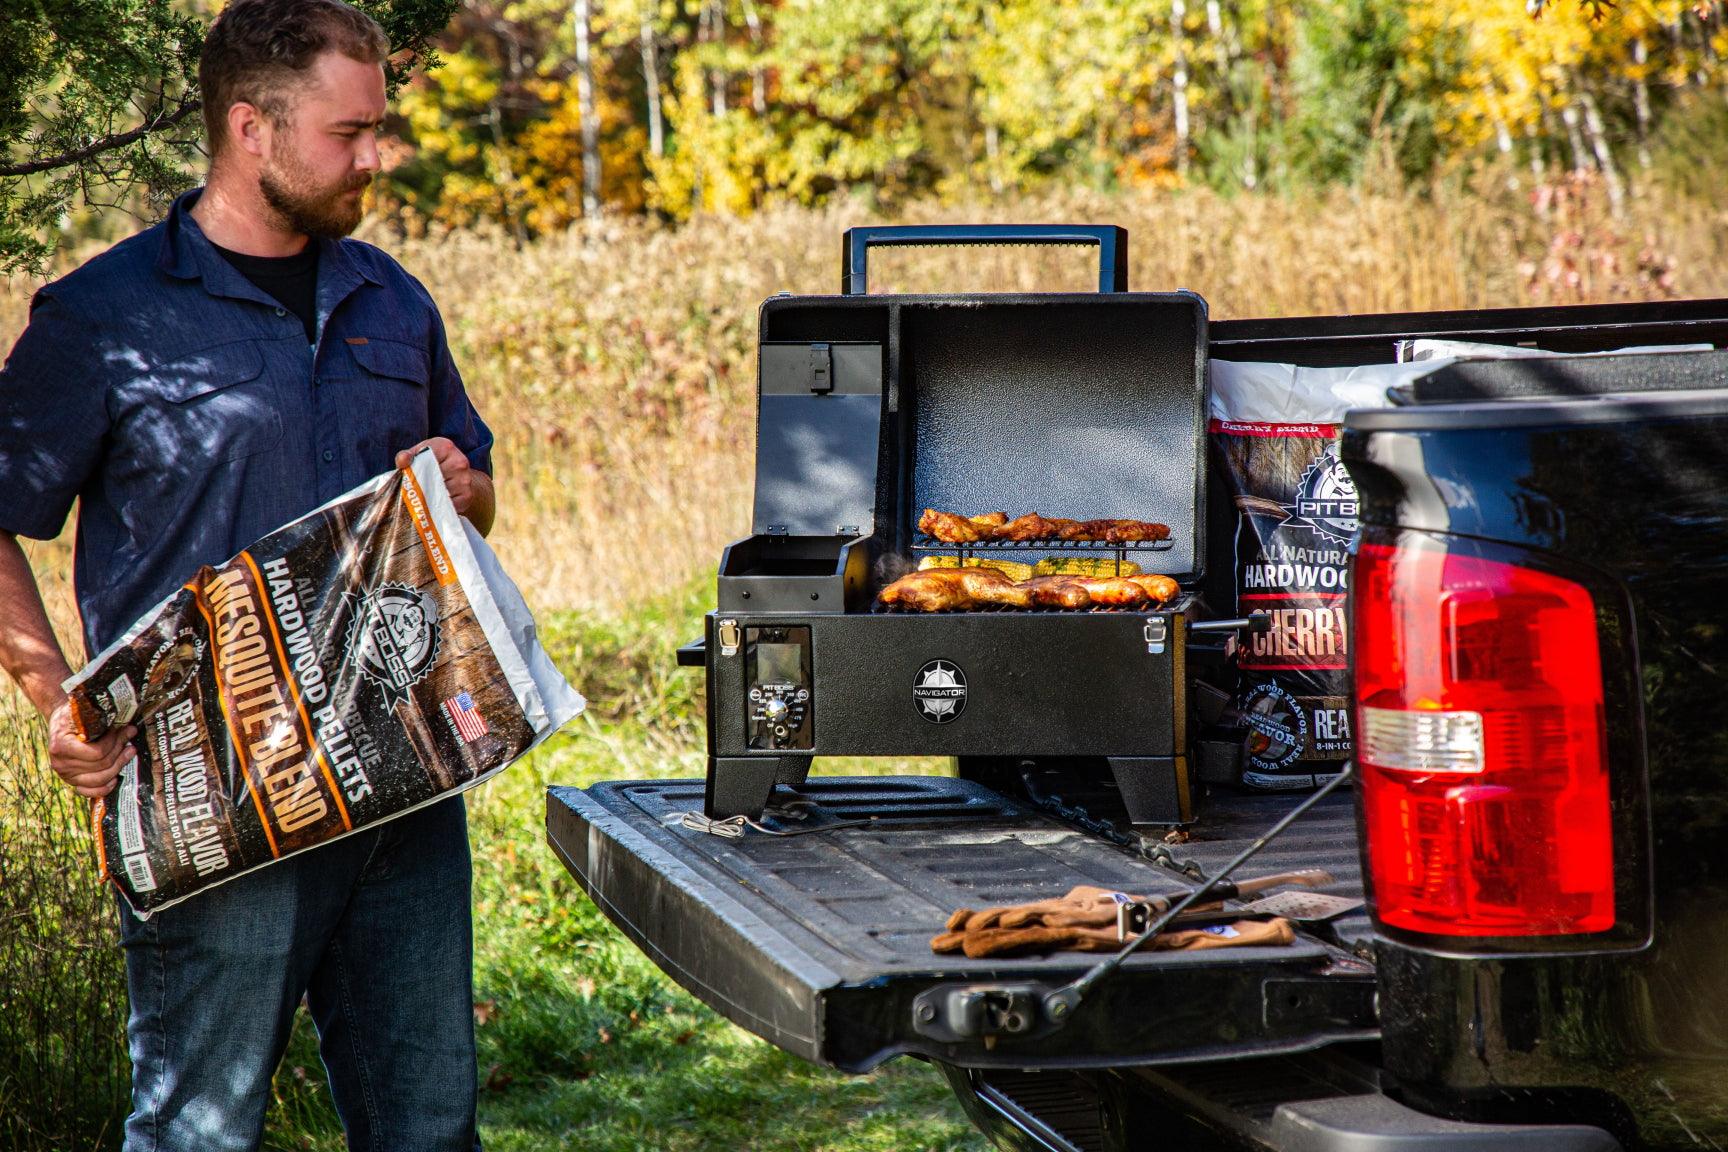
{"x": 1133, "y": 917}
{"x": 1059, "y": 1005}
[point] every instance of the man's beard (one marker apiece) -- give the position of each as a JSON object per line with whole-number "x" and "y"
{"x": 313, "y": 211}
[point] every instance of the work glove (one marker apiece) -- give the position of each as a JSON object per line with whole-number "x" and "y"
{"x": 1083, "y": 907}
{"x": 1090, "y": 919}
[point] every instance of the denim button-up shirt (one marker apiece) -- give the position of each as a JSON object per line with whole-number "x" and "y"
{"x": 183, "y": 409}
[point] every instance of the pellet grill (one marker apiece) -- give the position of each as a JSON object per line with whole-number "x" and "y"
{"x": 873, "y": 408}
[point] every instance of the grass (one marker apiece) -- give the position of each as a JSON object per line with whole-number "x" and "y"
{"x": 583, "y": 1043}
{"x": 61, "y": 987}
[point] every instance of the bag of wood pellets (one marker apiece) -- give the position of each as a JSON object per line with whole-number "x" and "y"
{"x": 363, "y": 661}
{"x": 1274, "y": 433}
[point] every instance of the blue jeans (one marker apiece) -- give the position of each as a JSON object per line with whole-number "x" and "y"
{"x": 374, "y": 930}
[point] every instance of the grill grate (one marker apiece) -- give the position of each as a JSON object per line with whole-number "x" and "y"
{"x": 877, "y": 608}
{"x": 922, "y": 543}
{"x": 880, "y": 609}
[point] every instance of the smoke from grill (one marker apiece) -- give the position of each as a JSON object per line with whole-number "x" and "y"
{"x": 890, "y": 566}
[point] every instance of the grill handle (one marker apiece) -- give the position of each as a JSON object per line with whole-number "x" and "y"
{"x": 1112, "y": 242}
{"x": 693, "y": 654}
{"x": 1255, "y": 624}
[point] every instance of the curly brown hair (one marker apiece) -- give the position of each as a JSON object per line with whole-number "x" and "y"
{"x": 257, "y": 48}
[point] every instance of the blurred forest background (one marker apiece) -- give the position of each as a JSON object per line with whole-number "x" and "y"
{"x": 599, "y": 193}
{"x": 548, "y": 111}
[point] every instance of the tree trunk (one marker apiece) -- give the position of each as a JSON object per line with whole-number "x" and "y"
{"x": 581, "y": 13}
{"x": 1538, "y": 162}
{"x": 1503, "y": 141}
{"x": 993, "y": 157}
{"x": 1575, "y": 138}
{"x": 713, "y": 30}
{"x": 1604, "y": 154}
{"x": 758, "y": 81}
{"x": 1179, "y": 82}
{"x": 651, "y": 83}
{"x": 1220, "y": 46}
{"x": 495, "y": 122}
{"x": 1227, "y": 49}
{"x": 1641, "y": 101}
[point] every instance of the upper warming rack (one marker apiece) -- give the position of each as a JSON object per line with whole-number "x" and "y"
{"x": 923, "y": 543}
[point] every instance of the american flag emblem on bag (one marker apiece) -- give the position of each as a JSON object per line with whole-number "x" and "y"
{"x": 470, "y": 725}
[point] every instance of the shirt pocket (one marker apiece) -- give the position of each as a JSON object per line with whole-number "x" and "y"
{"x": 205, "y": 409}
{"x": 389, "y": 401}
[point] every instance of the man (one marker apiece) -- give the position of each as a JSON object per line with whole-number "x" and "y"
{"x": 191, "y": 389}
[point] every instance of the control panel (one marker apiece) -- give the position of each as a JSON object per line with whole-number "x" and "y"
{"x": 778, "y": 703}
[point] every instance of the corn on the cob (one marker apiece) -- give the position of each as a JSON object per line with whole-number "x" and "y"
{"x": 1013, "y": 569}
{"x": 1085, "y": 566}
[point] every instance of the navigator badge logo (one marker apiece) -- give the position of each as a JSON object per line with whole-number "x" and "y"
{"x": 940, "y": 691}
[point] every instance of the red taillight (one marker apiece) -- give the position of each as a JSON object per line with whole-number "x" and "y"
{"x": 1481, "y": 742}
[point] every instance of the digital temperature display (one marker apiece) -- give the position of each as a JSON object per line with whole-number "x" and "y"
{"x": 780, "y": 664}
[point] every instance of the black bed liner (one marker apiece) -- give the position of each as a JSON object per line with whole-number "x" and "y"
{"x": 820, "y": 942}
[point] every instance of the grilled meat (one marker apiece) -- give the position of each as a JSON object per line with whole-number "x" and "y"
{"x": 1058, "y": 592}
{"x": 1161, "y": 589}
{"x": 956, "y": 589}
{"x": 1028, "y": 527}
{"x": 1122, "y": 531}
{"x": 1112, "y": 591}
{"x": 952, "y": 528}
{"x": 964, "y": 589}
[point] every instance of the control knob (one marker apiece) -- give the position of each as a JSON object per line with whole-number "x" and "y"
{"x": 774, "y": 711}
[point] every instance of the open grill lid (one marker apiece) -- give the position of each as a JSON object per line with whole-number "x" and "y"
{"x": 1076, "y": 405}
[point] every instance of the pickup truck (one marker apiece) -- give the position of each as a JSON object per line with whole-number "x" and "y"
{"x": 1538, "y": 824}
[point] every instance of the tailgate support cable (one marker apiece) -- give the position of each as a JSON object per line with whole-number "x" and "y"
{"x": 1059, "y": 1005}
{"x": 732, "y": 827}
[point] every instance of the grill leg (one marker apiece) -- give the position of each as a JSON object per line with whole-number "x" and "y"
{"x": 1154, "y": 789}
{"x": 741, "y": 785}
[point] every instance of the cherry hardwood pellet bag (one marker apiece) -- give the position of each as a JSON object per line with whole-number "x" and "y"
{"x": 363, "y": 661}
{"x": 1275, "y": 440}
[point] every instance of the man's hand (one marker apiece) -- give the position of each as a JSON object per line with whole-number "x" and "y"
{"x": 470, "y": 489}
{"x": 91, "y": 769}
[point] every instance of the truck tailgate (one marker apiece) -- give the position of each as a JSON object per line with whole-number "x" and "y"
{"x": 819, "y": 942}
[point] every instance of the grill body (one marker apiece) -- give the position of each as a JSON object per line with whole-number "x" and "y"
{"x": 1108, "y": 687}
{"x": 873, "y": 408}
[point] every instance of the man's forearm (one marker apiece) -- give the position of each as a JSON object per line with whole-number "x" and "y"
{"x": 29, "y": 650}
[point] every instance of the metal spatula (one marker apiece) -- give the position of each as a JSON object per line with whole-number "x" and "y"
{"x": 1304, "y": 906}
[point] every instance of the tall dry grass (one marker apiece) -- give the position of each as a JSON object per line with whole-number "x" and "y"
{"x": 614, "y": 361}
{"x": 615, "y": 364}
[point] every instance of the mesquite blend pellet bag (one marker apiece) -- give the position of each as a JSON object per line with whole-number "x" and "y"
{"x": 365, "y": 660}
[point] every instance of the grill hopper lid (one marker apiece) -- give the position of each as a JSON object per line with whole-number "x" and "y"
{"x": 818, "y": 437}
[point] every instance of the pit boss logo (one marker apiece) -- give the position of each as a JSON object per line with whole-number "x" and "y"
{"x": 940, "y": 691}
{"x": 1325, "y": 500}
{"x": 394, "y": 638}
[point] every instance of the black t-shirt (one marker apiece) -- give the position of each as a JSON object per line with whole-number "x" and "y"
{"x": 290, "y": 280}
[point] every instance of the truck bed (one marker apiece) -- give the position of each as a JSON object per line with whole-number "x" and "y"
{"x": 819, "y": 942}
